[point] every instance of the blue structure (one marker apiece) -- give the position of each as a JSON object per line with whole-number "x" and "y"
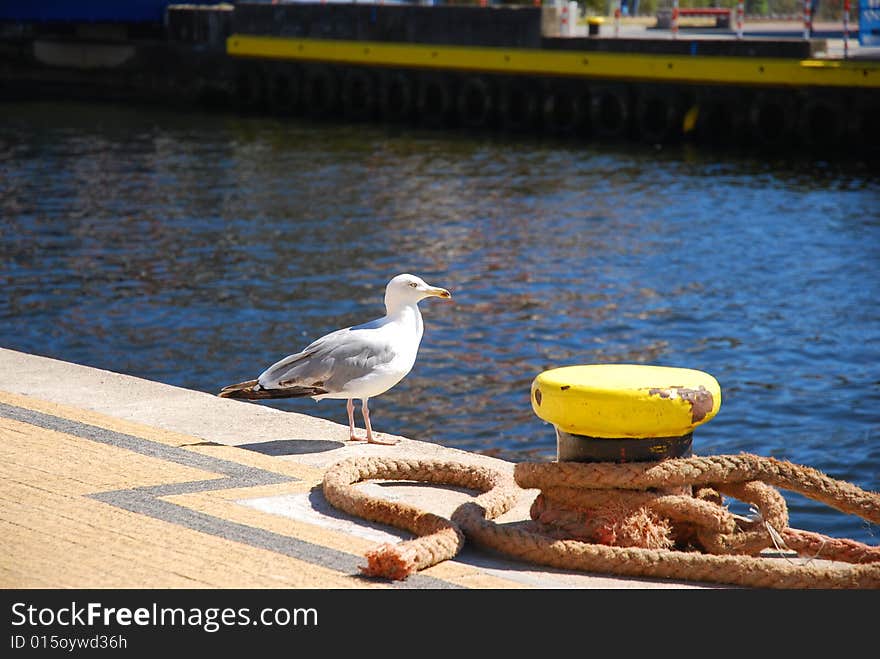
{"x": 869, "y": 22}
{"x": 89, "y": 11}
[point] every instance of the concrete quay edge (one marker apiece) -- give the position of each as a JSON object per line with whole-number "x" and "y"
{"x": 113, "y": 481}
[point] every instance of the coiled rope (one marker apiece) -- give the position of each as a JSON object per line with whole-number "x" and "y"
{"x": 680, "y": 497}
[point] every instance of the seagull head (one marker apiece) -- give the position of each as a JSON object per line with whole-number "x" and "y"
{"x": 408, "y": 289}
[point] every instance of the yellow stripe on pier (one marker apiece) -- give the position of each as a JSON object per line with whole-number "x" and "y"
{"x": 759, "y": 71}
{"x": 89, "y": 500}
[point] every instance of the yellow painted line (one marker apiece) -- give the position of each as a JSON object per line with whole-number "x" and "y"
{"x": 49, "y": 519}
{"x": 167, "y": 437}
{"x": 229, "y": 505}
{"x": 624, "y": 66}
{"x": 48, "y": 544}
{"x": 77, "y": 467}
{"x": 93, "y": 418}
{"x": 53, "y": 535}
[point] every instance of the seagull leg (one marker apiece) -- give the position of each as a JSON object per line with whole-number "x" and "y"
{"x": 350, "y": 407}
{"x": 370, "y": 439}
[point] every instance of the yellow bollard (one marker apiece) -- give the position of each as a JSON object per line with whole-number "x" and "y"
{"x": 624, "y": 412}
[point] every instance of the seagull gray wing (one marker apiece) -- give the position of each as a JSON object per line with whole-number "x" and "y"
{"x": 332, "y": 361}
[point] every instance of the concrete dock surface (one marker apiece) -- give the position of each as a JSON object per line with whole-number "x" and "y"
{"x": 112, "y": 481}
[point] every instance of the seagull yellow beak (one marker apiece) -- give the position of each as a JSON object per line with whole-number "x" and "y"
{"x": 439, "y": 292}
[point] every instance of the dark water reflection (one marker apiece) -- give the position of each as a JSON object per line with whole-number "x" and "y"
{"x": 195, "y": 250}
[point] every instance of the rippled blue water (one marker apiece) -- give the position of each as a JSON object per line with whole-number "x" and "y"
{"x": 196, "y": 250}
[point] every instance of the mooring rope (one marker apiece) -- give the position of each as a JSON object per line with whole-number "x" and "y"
{"x": 666, "y": 503}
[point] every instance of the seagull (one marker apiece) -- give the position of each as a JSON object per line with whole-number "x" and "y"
{"x": 355, "y": 362}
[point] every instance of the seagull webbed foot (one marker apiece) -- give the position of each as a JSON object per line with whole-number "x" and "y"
{"x": 373, "y": 440}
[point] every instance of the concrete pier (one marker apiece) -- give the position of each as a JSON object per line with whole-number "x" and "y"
{"x": 111, "y": 481}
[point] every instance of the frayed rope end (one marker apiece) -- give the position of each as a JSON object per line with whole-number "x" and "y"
{"x": 389, "y": 561}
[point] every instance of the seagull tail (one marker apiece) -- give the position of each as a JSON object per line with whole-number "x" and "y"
{"x": 251, "y": 390}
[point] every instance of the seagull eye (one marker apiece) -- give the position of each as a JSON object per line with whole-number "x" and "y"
{"x": 413, "y": 284}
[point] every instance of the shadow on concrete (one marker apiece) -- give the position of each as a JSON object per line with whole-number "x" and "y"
{"x": 540, "y": 575}
{"x": 438, "y": 486}
{"x": 489, "y": 560}
{"x": 321, "y": 505}
{"x": 292, "y": 446}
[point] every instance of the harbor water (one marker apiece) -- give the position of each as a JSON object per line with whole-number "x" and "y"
{"x": 197, "y": 249}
